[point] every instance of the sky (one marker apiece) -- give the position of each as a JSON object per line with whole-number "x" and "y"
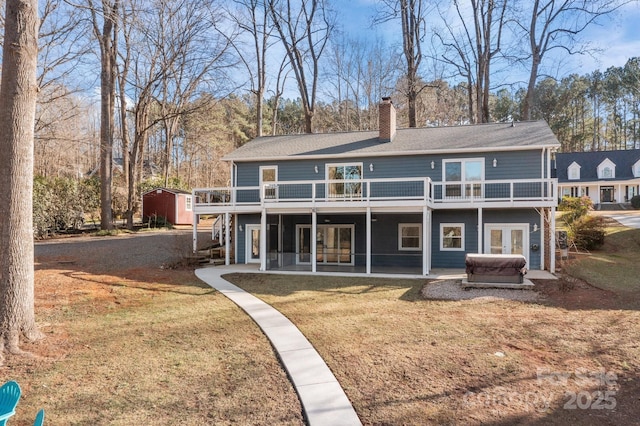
{"x": 618, "y": 37}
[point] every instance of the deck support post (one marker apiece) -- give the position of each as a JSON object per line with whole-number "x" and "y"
{"x": 313, "y": 242}
{"x": 263, "y": 240}
{"x": 480, "y": 228}
{"x": 227, "y": 239}
{"x": 194, "y": 235}
{"x": 368, "y": 220}
{"x": 552, "y": 242}
{"x": 426, "y": 240}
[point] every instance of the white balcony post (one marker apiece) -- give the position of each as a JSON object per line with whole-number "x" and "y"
{"x": 480, "y": 226}
{"x": 263, "y": 240}
{"x": 195, "y": 232}
{"x": 552, "y": 243}
{"x": 368, "y": 260}
{"x": 313, "y": 242}
{"x": 542, "y": 244}
{"x": 426, "y": 241}
{"x": 227, "y": 240}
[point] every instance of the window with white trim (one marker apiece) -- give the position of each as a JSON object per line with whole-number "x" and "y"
{"x": 345, "y": 180}
{"x": 607, "y": 169}
{"x": 188, "y": 203}
{"x": 574, "y": 171}
{"x": 452, "y": 236}
{"x": 636, "y": 169}
{"x": 463, "y": 170}
{"x": 409, "y": 236}
{"x": 268, "y": 174}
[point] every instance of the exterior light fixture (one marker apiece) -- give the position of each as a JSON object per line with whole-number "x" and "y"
{"x": 315, "y": 168}
{"x": 495, "y": 162}
{"x": 240, "y": 228}
{"x": 371, "y": 167}
{"x": 433, "y": 165}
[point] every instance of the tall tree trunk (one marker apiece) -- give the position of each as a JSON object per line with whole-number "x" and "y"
{"x": 18, "y": 92}
{"x": 108, "y": 53}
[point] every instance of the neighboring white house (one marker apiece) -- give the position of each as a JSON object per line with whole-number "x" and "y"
{"x": 603, "y": 176}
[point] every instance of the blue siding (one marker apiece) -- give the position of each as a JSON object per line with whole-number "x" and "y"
{"x": 384, "y": 229}
{"x": 453, "y": 259}
{"x": 529, "y": 216}
{"x": 384, "y": 241}
{"x": 244, "y": 220}
{"x": 510, "y": 165}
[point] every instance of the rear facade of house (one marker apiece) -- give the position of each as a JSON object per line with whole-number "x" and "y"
{"x": 393, "y": 201}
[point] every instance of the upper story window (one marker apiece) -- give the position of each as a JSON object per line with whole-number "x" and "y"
{"x": 268, "y": 174}
{"x": 606, "y": 169}
{"x": 573, "y": 171}
{"x": 636, "y": 169}
{"x": 463, "y": 170}
{"x": 344, "y": 180}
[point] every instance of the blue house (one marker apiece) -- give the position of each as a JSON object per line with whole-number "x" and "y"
{"x": 392, "y": 201}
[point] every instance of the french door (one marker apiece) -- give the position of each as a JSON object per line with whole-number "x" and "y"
{"x": 334, "y": 244}
{"x": 252, "y": 244}
{"x": 507, "y": 239}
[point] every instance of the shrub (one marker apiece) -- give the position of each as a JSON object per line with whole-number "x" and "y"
{"x": 60, "y": 204}
{"x": 575, "y": 208}
{"x": 635, "y": 202}
{"x": 587, "y": 233}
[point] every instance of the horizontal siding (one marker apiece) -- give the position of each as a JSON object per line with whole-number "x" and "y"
{"x": 453, "y": 259}
{"x": 384, "y": 231}
{"x": 529, "y": 216}
{"x": 510, "y": 165}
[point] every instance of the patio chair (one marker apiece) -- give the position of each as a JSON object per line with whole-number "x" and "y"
{"x": 39, "y": 418}
{"x": 9, "y": 396}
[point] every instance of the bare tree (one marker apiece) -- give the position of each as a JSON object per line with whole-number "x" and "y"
{"x": 18, "y": 92}
{"x": 304, "y": 34}
{"x": 106, "y": 36}
{"x": 252, "y": 17}
{"x": 556, "y": 25}
{"x": 412, "y": 15}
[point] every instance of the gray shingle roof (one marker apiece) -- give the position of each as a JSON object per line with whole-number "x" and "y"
{"x": 589, "y": 161}
{"x": 481, "y": 137}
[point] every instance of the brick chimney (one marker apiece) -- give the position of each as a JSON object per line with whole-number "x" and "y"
{"x": 387, "y": 120}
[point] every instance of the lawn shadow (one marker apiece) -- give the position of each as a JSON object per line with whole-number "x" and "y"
{"x": 146, "y": 258}
{"x": 282, "y": 285}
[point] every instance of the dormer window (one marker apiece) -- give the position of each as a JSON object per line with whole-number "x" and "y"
{"x": 573, "y": 171}
{"x": 636, "y": 169}
{"x": 607, "y": 169}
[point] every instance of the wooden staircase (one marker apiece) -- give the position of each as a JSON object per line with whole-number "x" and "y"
{"x": 215, "y": 252}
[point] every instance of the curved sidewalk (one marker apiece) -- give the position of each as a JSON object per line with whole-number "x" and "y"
{"x": 323, "y": 399}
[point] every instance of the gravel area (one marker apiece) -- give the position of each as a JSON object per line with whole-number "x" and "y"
{"x": 452, "y": 290}
{"x": 146, "y": 249}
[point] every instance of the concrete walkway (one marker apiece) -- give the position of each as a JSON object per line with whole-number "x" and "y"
{"x": 630, "y": 219}
{"x": 323, "y": 399}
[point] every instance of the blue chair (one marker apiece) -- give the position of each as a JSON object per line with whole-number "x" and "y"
{"x": 9, "y": 396}
{"x": 39, "y": 418}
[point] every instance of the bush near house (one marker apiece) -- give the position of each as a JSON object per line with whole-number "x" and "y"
{"x": 586, "y": 232}
{"x": 635, "y": 202}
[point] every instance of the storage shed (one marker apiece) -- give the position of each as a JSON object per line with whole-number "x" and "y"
{"x": 175, "y": 205}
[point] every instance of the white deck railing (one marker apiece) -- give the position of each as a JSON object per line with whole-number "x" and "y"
{"x": 422, "y": 190}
